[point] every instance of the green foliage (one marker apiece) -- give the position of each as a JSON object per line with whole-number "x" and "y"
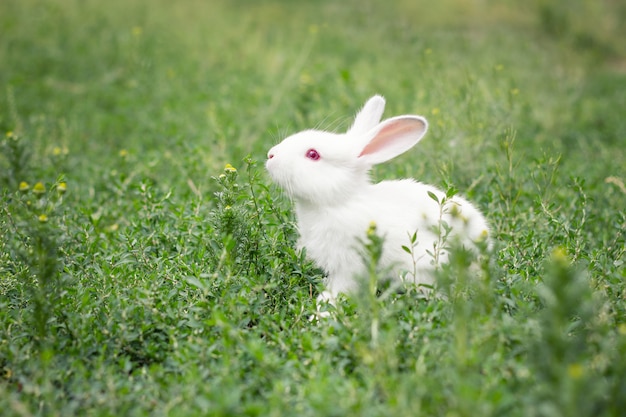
{"x": 147, "y": 267}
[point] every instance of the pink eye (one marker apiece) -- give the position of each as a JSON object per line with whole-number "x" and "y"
{"x": 312, "y": 154}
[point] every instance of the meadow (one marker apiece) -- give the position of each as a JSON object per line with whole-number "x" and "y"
{"x": 148, "y": 265}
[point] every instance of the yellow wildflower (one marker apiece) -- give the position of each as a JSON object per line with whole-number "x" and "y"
{"x": 62, "y": 187}
{"x": 24, "y": 186}
{"x": 455, "y": 211}
{"x": 575, "y": 371}
{"x": 371, "y": 230}
{"x": 230, "y": 168}
{"x": 559, "y": 256}
{"x": 43, "y": 218}
{"x": 39, "y": 188}
{"x": 123, "y": 153}
{"x": 306, "y": 79}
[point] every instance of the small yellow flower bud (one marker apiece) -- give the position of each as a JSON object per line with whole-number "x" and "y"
{"x": 56, "y": 151}
{"x": 39, "y": 188}
{"x": 43, "y": 218}
{"x": 230, "y": 168}
{"x": 455, "y": 211}
{"x": 62, "y": 188}
{"x": 123, "y": 153}
{"x": 559, "y": 257}
{"x": 24, "y": 186}
{"x": 306, "y": 79}
{"x": 575, "y": 371}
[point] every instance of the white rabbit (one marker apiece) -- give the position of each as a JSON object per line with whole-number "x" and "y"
{"x": 327, "y": 174}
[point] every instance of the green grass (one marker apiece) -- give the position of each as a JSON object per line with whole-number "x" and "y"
{"x": 142, "y": 277}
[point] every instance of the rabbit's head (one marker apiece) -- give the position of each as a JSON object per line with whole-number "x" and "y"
{"x": 324, "y": 168}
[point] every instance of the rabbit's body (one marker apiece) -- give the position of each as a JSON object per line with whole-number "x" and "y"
{"x": 327, "y": 175}
{"x": 333, "y": 236}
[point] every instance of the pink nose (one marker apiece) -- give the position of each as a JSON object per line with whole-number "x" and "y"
{"x": 270, "y": 155}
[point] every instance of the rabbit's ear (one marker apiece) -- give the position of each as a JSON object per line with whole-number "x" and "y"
{"x": 393, "y": 137}
{"x": 369, "y": 116}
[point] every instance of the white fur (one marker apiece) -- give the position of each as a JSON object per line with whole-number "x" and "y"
{"x": 336, "y": 202}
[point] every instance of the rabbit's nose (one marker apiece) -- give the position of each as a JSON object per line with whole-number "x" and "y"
{"x": 270, "y": 155}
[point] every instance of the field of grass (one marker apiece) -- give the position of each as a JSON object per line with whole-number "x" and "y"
{"x": 147, "y": 264}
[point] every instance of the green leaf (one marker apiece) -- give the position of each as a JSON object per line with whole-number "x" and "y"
{"x": 451, "y": 192}
{"x": 195, "y": 282}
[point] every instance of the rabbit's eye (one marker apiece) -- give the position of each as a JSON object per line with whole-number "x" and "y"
{"x": 312, "y": 154}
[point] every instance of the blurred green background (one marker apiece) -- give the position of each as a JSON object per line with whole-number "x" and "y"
{"x": 222, "y": 79}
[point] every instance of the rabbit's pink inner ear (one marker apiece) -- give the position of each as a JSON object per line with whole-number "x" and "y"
{"x": 397, "y": 137}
